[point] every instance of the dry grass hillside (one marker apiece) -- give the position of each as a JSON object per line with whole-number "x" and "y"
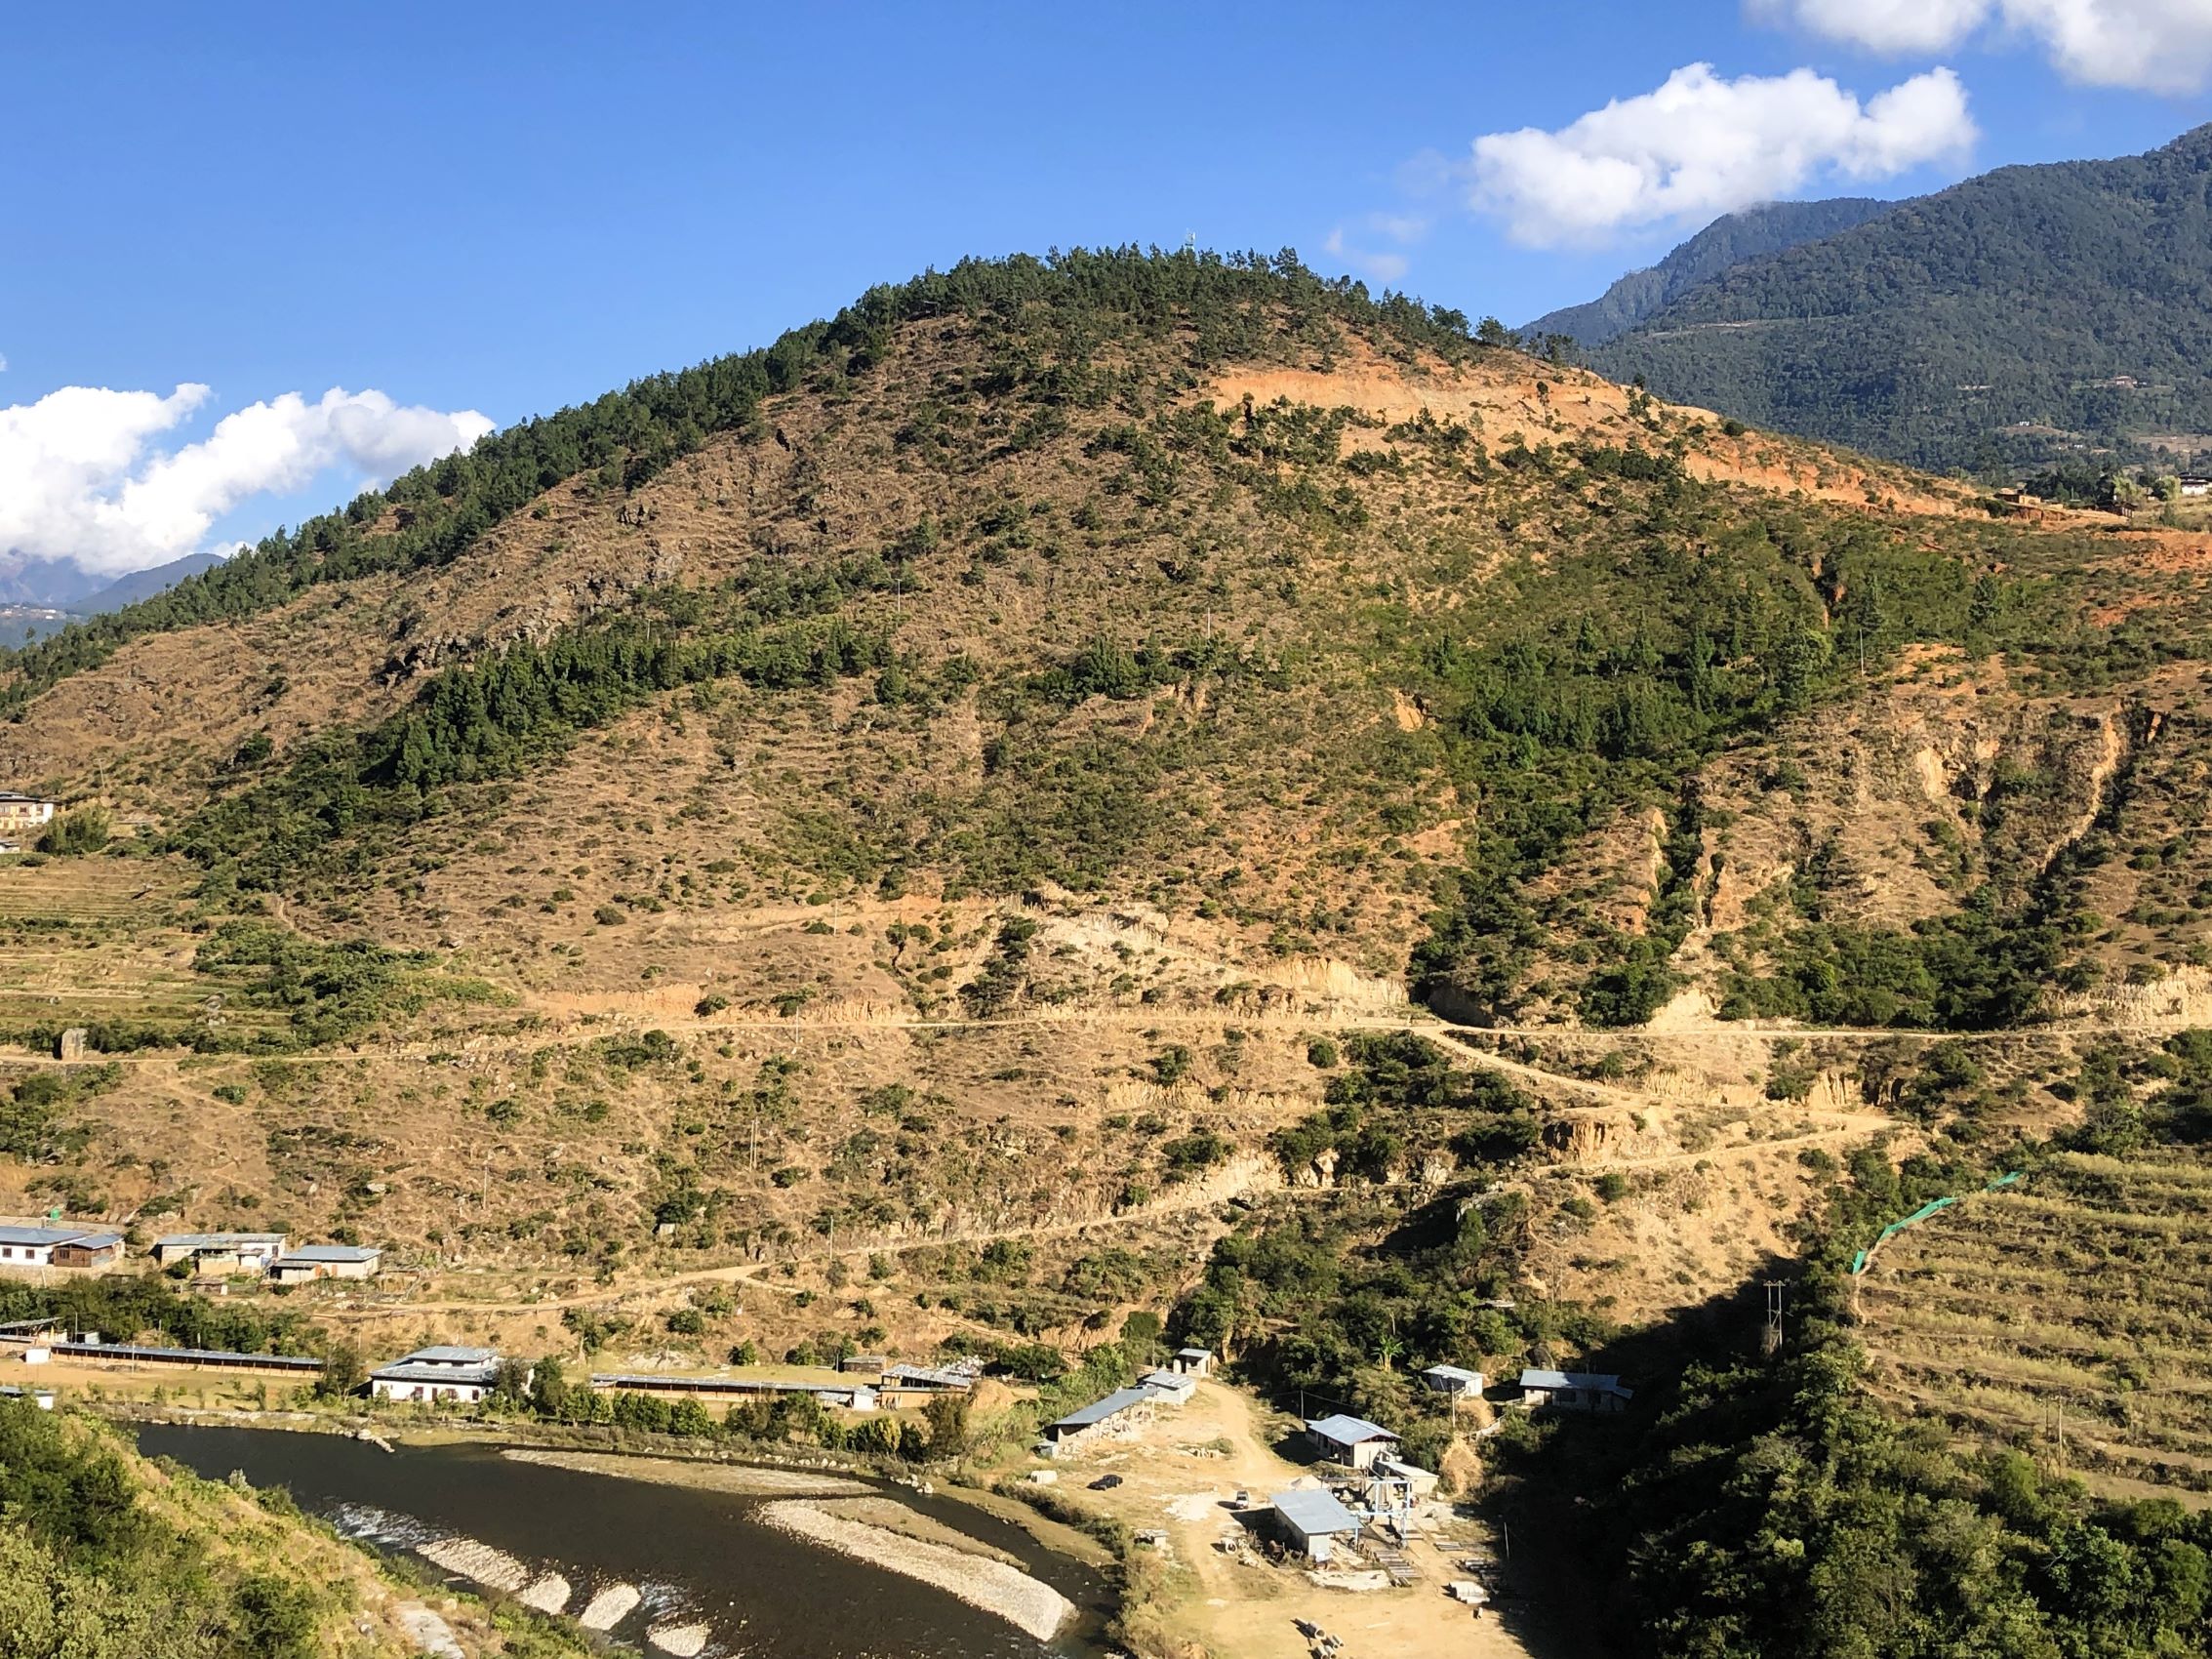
{"x": 907, "y": 865}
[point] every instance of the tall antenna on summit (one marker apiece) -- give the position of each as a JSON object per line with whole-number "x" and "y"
{"x": 1190, "y": 241}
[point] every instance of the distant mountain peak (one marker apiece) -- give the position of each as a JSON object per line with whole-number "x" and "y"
{"x": 2030, "y": 316}
{"x": 1728, "y": 241}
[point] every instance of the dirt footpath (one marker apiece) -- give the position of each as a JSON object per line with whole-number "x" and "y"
{"x": 1182, "y": 1472}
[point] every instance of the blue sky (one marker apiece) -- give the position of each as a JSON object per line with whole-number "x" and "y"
{"x": 502, "y": 208}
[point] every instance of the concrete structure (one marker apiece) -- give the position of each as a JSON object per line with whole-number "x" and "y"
{"x": 904, "y": 1385}
{"x": 2192, "y": 484}
{"x": 459, "y": 1375}
{"x": 846, "y": 1397}
{"x": 1192, "y": 1361}
{"x": 1574, "y": 1390}
{"x": 938, "y": 1378}
{"x": 1311, "y": 1521}
{"x": 43, "y": 1398}
{"x": 1174, "y": 1386}
{"x": 81, "y": 1248}
{"x": 327, "y": 1261}
{"x": 1453, "y": 1379}
{"x": 1353, "y": 1442}
{"x": 1119, "y": 1413}
{"x": 1421, "y": 1482}
{"x": 862, "y": 1365}
{"x": 23, "y": 818}
{"x": 220, "y": 1252}
{"x": 92, "y": 1350}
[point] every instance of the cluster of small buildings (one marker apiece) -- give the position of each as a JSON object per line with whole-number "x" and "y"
{"x": 55, "y": 1248}
{"x": 223, "y": 1255}
{"x": 1315, "y": 1521}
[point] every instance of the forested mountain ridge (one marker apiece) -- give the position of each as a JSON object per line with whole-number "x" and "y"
{"x": 2030, "y": 315}
{"x": 1726, "y": 243}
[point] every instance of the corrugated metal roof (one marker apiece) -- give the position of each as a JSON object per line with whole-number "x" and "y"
{"x": 207, "y": 1241}
{"x": 477, "y": 1376}
{"x": 1099, "y": 1410}
{"x": 1600, "y": 1382}
{"x": 1454, "y": 1373}
{"x": 45, "y": 1235}
{"x": 1193, "y": 1354}
{"x": 1315, "y": 1512}
{"x": 194, "y": 1356}
{"x": 438, "y": 1354}
{"x": 926, "y": 1376}
{"x": 332, "y": 1253}
{"x": 1346, "y": 1430}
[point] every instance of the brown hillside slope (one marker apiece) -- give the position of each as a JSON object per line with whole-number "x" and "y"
{"x": 917, "y": 944}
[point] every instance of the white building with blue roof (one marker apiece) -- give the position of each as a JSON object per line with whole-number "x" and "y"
{"x": 438, "y": 1374}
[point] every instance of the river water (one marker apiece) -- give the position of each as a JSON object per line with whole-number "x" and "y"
{"x": 700, "y": 1558}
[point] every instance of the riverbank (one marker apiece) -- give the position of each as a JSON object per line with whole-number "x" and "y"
{"x": 741, "y": 1479}
{"x": 992, "y": 1585}
{"x": 668, "y": 1548}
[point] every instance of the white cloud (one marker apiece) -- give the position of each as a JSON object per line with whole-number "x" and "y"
{"x": 81, "y": 478}
{"x": 2162, "y": 46}
{"x": 1699, "y": 146}
{"x": 1882, "y": 25}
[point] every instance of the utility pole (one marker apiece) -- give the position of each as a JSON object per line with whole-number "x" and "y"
{"x": 1770, "y": 1340}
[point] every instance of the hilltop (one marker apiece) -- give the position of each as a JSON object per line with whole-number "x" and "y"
{"x": 2028, "y": 316}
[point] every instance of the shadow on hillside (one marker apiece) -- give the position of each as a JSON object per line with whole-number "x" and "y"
{"x": 1562, "y": 1533}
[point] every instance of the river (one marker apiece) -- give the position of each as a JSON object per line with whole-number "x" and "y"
{"x": 697, "y": 1558}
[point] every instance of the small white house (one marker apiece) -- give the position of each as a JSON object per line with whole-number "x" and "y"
{"x": 1574, "y": 1390}
{"x": 1174, "y": 1386}
{"x": 220, "y": 1252}
{"x": 1453, "y": 1380}
{"x": 1353, "y": 1442}
{"x": 79, "y": 1247}
{"x": 2190, "y": 484}
{"x": 1192, "y": 1361}
{"x": 460, "y": 1376}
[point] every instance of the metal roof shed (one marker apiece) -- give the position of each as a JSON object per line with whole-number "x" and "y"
{"x": 1310, "y": 1517}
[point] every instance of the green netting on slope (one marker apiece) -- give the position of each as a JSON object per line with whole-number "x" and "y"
{"x": 1931, "y": 1207}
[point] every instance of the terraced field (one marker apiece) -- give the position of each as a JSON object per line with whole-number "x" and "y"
{"x": 95, "y": 939}
{"x": 2072, "y": 1315}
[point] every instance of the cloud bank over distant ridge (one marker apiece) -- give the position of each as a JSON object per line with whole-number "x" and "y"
{"x": 83, "y": 478}
{"x": 1701, "y": 146}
